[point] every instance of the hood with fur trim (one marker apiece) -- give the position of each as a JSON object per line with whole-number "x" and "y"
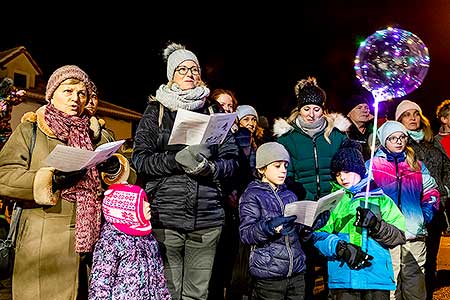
{"x": 334, "y": 120}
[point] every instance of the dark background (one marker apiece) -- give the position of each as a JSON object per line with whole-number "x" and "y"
{"x": 259, "y": 51}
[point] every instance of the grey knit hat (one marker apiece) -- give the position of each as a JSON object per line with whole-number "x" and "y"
{"x": 64, "y": 73}
{"x": 308, "y": 92}
{"x": 388, "y": 128}
{"x": 175, "y": 54}
{"x": 244, "y": 110}
{"x": 269, "y": 152}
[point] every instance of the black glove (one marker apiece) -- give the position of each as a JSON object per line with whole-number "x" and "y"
{"x": 63, "y": 180}
{"x": 281, "y": 225}
{"x": 194, "y": 160}
{"x": 367, "y": 219}
{"x": 353, "y": 255}
{"x": 110, "y": 165}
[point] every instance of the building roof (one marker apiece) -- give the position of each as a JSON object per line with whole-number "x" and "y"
{"x": 9, "y": 55}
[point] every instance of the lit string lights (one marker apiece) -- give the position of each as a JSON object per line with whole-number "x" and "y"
{"x": 390, "y": 63}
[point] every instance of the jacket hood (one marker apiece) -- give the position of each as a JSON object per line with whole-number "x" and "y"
{"x": 334, "y": 120}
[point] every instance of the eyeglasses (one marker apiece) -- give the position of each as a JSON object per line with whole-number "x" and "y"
{"x": 184, "y": 70}
{"x": 395, "y": 139}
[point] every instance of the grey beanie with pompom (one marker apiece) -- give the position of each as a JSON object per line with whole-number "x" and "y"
{"x": 174, "y": 54}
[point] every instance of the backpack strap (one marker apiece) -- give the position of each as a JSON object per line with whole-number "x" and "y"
{"x": 161, "y": 114}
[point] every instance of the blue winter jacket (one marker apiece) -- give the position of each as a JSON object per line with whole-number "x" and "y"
{"x": 274, "y": 256}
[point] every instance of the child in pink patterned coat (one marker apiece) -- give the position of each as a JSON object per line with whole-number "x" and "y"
{"x": 126, "y": 261}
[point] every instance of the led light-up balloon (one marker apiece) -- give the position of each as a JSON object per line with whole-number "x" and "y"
{"x": 392, "y": 63}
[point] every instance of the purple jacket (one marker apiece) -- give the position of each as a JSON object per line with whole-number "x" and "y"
{"x": 127, "y": 267}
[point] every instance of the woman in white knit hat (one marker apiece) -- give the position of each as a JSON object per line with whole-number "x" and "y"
{"x": 408, "y": 182}
{"x": 183, "y": 182}
{"x": 421, "y": 140}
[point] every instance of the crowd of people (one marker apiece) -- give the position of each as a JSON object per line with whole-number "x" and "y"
{"x": 167, "y": 221}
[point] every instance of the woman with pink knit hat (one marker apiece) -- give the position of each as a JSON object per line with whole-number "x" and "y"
{"x": 61, "y": 217}
{"x": 419, "y": 130}
{"x": 127, "y": 263}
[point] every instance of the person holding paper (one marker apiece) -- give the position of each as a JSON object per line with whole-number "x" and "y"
{"x": 60, "y": 222}
{"x": 183, "y": 183}
{"x": 355, "y": 272}
{"x": 277, "y": 260}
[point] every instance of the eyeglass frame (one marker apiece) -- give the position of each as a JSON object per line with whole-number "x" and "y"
{"x": 178, "y": 69}
{"x": 402, "y": 138}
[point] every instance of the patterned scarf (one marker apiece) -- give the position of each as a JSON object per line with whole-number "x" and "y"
{"x": 174, "y": 97}
{"x": 74, "y": 132}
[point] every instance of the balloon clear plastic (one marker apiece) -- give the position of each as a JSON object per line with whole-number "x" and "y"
{"x": 392, "y": 63}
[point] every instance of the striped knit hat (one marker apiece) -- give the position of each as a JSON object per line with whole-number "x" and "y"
{"x": 123, "y": 206}
{"x": 63, "y": 73}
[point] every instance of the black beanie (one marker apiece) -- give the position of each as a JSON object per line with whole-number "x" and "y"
{"x": 354, "y": 101}
{"x": 348, "y": 158}
{"x": 308, "y": 92}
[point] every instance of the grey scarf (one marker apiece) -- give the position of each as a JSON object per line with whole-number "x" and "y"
{"x": 311, "y": 128}
{"x": 174, "y": 98}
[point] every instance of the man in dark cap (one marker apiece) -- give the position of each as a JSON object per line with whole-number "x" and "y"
{"x": 357, "y": 110}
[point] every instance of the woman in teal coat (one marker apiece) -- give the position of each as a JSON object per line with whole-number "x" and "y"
{"x": 312, "y": 138}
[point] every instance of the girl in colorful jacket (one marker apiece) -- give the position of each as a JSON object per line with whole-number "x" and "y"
{"x": 367, "y": 272}
{"x": 409, "y": 183}
{"x": 277, "y": 261}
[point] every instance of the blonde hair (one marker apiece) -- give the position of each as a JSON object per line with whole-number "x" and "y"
{"x": 443, "y": 109}
{"x": 424, "y": 125}
{"x": 411, "y": 159}
{"x": 326, "y": 134}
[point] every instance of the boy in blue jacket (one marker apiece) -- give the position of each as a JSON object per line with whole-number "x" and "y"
{"x": 277, "y": 261}
{"x": 357, "y": 268}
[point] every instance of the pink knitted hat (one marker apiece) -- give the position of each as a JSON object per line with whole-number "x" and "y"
{"x": 123, "y": 206}
{"x": 63, "y": 73}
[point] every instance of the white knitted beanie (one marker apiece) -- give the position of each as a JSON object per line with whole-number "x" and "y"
{"x": 175, "y": 54}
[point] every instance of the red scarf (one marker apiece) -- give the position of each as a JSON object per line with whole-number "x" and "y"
{"x": 74, "y": 132}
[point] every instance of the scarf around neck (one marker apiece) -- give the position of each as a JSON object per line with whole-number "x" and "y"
{"x": 416, "y": 135}
{"x": 174, "y": 97}
{"x": 74, "y": 132}
{"x": 311, "y": 128}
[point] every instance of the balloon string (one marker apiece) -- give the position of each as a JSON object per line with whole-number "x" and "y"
{"x": 370, "y": 175}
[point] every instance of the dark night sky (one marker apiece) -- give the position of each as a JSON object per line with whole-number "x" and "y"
{"x": 259, "y": 52}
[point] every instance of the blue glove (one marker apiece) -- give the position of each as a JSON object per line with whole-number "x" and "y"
{"x": 272, "y": 226}
{"x": 306, "y": 232}
{"x": 367, "y": 219}
{"x": 428, "y": 212}
{"x": 321, "y": 220}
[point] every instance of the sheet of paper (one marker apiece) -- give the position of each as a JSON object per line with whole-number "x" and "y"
{"x": 329, "y": 201}
{"x": 307, "y": 210}
{"x": 67, "y": 159}
{"x": 192, "y": 128}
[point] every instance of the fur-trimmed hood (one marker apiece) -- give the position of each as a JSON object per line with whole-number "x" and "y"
{"x": 334, "y": 120}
